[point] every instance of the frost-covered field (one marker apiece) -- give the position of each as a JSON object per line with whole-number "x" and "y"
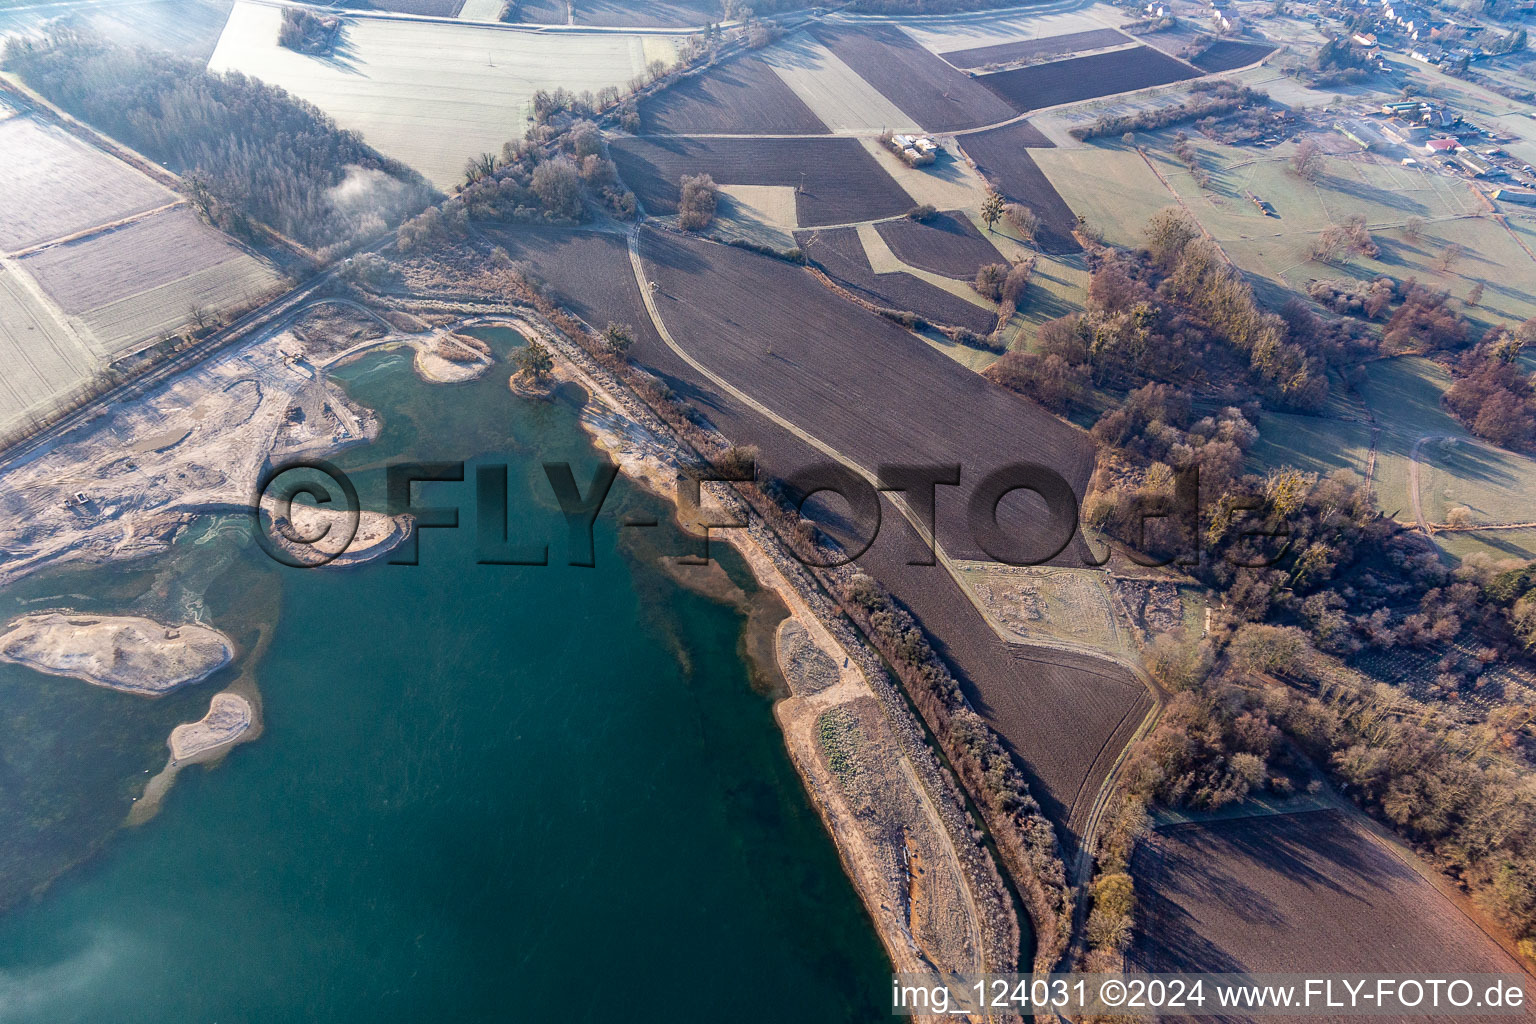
{"x": 40, "y": 358}
{"x": 55, "y": 185}
{"x": 130, "y": 275}
{"x": 132, "y": 283}
{"x": 434, "y": 94}
{"x": 989, "y": 28}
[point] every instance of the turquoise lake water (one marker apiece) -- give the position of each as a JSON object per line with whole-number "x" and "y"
{"x": 482, "y": 794}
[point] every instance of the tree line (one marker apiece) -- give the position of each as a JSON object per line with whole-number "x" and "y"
{"x": 250, "y": 151}
{"x": 1310, "y": 578}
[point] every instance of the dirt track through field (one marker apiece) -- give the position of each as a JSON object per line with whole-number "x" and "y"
{"x": 1029, "y": 693}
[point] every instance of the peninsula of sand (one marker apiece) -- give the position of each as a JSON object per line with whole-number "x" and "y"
{"x": 122, "y": 652}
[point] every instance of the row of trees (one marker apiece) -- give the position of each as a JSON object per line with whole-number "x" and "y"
{"x": 529, "y": 183}
{"x": 1217, "y": 98}
{"x": 250, "y": 151}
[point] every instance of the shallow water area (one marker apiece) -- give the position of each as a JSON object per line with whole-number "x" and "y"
{"x": 481, "y": 792}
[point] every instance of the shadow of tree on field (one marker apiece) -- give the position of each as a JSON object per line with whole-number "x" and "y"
{"x": 1242, "y": 894}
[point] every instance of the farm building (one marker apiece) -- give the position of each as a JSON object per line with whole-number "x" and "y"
{"x": 1523, "y": 196}
{"x": 1441, "y": 147}
{"x": 1355, "y": 132}
{"x": 1405, "y": 133}
{"x": 916, "y": 150}
{"x": 1473, "y": 164}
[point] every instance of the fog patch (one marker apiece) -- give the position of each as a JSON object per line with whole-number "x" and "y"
{"x": 369, "y": 200}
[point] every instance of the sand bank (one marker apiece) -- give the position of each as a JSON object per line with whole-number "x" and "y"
{"x": 123, "y": 652}
{"x": 452, "y": 358}
{"x": 229, "y": 716}
{"x": 376, "y": 534}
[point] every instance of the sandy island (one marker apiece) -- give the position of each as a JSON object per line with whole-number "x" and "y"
{"x": 123, "y": 652}
{"x": 228, "y": 717}
{"x": 377, "y": 534}
{"x": 452, "y": 358}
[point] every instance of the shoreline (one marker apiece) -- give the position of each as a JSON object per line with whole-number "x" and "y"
{"x": 914, "y": 891}
{"x": 127, "y": 653}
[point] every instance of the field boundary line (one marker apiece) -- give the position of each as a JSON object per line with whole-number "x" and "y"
{"x": 99, "y": 229}
{"x": 1106, "y": 788}
{"x": 609, "y": 391}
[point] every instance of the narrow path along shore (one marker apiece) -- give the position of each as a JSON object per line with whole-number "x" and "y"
{"x": 1081, "y": 868}
{"x": 921, "y": 891}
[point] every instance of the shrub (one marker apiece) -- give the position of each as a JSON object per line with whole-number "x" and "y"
{"x": 696, "y": 205}
{"x": 989, "y": 280}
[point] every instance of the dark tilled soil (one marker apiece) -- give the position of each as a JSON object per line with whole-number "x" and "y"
{"x": 840, "y": 183}
{"x": 1306, "y": 892}
{"x": 947, "y": 244}
{"x": 1086, "y": 78}
{"x": 623, "y": 13}
{"x": 431, "y": 8}
{"x": 1027, "y": 49}
{"x": 587, "y": 272}
{"x": 839, "y": 253}
{"x": 929, "y": 91}
{"x": 1226, "y": 54}
{"x": 740, "y": 96}
{"x": 1001, "y": 156}
{"x": 876, "y": 393}
{"x": 871, "y": 389}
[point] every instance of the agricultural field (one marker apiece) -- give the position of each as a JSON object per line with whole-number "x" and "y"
{"x": 55, "y": 185}
{"x": 764, "y": 214}
{"x": 1420, "y": 452}
{"x": 1001, "y": 156}
{"x": 1285, "y": 892}
{"x": 838, "y": 182}
{"x": 832, "y": 90}
{"x": 1085, "y": 78}
{"x": 947, "y": 243}
{"x": 938, "y": 97}
{"x": 975, "y": 30}
{"x": 481, "y": 10}
{"x": 1229, "y": 54}
{"x": 730, "y": 304}
{"x": 1104, "y": 183}
{"x": 1049, "y": 605}
{"x": 1023, "y": 50}
{"x": 840, "y": 253}
{"x": 688, "y": 14}
{"x": 587, "y": 272}
{"x": 877, "y": 393}
{"x": 434, "y": 94}
{"x": 187, "y": 28}
{"x": 44, "y": 358}
{"x": 743, "y": 95}
{"x": 428, "y": 8}
{"x": 131, "y": 283}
